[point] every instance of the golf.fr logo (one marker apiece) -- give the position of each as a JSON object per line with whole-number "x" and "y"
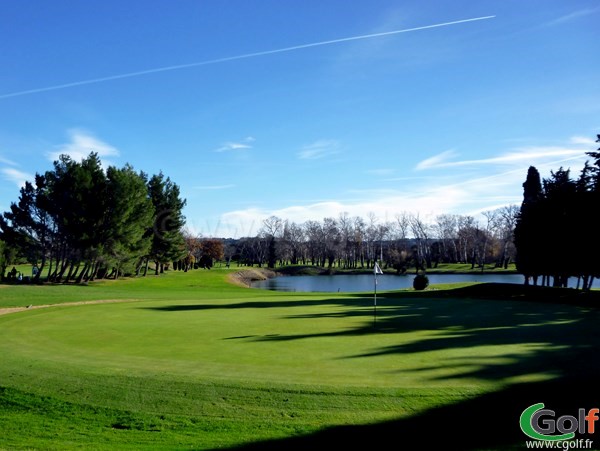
{"x": 540, "y": 423}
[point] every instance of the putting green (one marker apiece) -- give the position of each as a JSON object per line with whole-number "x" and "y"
{"x": 308, "y": 341}
{"x": 254, "y": 361}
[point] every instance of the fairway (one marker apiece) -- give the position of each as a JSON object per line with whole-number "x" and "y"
{"x": 204, "y": 364}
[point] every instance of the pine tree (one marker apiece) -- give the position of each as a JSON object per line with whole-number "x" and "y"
{"x": 27, "y": 226}
{"x": 168, "y": 243}
{"x": 130, "y": 215}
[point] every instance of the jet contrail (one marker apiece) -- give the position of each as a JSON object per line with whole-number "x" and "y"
{"x": 233, "y": 58}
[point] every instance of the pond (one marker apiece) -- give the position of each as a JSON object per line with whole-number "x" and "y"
{"x": 364, "y": 282}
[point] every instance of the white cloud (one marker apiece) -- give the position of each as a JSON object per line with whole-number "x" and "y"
{"x": 470, "y": 197}
{"x": 435, "y": 161}
{"x": 319, "y": 149}
{"x": 16, "y": 176}
{"x": 429, "y": 198}
{"x": 232, "y": 146}
{"x": 532, "y": 155}
{"x": 496, "y": 182}
{"x": 7, "y": 161}
{"x": 385, "y": 204}
{"x": 572, "y": 16}
{"x": 239, "y": 223}
{"x": 582, "y": 140}
{"x": 81, "y": 144}
{"x": 240, "y": 145}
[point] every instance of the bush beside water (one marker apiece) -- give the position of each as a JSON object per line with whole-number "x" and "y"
{"x": 420, "y": 282}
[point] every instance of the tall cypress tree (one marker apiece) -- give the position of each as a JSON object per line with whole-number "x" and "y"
{"x": 528, "y": 240}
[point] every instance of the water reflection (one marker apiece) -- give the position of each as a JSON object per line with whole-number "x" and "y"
{"x": 365, "y": 282}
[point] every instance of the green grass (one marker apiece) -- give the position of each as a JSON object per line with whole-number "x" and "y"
{"x": 171, "y": 285}
{"x": 193, "y": 362}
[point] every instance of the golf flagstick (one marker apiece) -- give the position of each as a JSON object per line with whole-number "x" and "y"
{"x": 376, "y": 270}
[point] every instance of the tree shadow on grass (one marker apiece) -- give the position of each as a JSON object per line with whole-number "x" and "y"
{"x": 560, "y": 359}
{"x": 352, "y": 301}
{"x": 559, "y": 329}
{"x": 489, "y": 421}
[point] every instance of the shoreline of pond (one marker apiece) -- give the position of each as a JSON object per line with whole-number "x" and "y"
{"x": 364, "y": 281}
{"x": 247, "y": 277}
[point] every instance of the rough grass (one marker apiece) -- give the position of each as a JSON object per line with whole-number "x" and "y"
{"x": 196, "y": 363}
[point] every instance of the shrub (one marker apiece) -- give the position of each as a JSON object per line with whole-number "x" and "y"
{"x": 420, "y": 282}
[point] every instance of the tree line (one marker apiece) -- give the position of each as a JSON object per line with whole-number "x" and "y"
{"x": 408, "y": 242}
{"x": 79, "y": 222}
{"x": 557, "y": 229}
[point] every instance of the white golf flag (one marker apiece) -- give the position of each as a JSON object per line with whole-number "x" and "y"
{"x": 377, "y": 269}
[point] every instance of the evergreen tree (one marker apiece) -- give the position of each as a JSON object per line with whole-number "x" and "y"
{"x": 556, "y": 229}
{"x": 130, "y": 215}
{"x": 168, "y": 243}
{"x": 528, "y": 240}
{"x": 27, "y": 226}
{"x": 560, "y": 235}
{"x": 3, "y": 258}
{"x": 86, "y": 221}
{"x": 591, "y": 222}
{"x": 79, "y": 193}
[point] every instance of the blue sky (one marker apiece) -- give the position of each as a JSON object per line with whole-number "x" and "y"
{"x": 228, "y": 98}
